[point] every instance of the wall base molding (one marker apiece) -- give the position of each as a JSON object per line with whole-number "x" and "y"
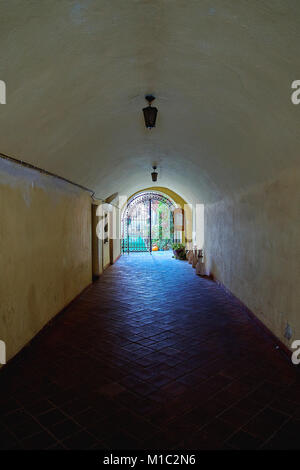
{"x": 117, "y": 258}
{"x": 106, "y": 266}
{"x": 276, "y": 341}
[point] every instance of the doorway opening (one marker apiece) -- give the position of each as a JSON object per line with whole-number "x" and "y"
{"x": 148, "y": 223}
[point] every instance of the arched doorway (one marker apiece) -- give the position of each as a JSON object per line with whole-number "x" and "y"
{"x": 148, "y": 223}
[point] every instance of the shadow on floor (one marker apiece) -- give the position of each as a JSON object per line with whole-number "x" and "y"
{"x": 153, "y": 357}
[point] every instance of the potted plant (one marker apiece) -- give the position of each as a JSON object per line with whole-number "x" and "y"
{"x": 179, "y": 251}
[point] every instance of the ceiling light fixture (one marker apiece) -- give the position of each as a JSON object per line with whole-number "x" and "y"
{"x": 150, "y": 113}
{"x": 154, "y": 174}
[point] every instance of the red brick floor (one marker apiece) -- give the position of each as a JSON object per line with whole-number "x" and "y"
{"x": 150, "y": 356}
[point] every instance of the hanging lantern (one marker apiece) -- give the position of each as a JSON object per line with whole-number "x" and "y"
{"x": 150, "y": 113}
{"x": 154, "y": 174}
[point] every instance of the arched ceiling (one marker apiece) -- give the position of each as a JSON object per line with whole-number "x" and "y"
{"x": 77, "y": 71}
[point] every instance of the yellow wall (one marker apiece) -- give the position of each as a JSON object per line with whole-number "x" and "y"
{"x": 176, "y": 198}
{"x": 106, "y": 255}
{"x": 116, "y": 233}
{"x": 252, "y": 245}
{"x": 45, "y": 250}
{"x": 97, "y": 248}
{"x": 102, "y": 251}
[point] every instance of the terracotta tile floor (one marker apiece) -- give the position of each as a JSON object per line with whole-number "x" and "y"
{"x": 150, "y": 356}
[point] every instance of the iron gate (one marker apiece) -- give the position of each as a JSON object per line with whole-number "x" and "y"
{"x": 148, "y": 223}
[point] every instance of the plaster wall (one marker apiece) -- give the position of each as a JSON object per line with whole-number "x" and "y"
{"x": 106, "y": 255}
{"x": 116, "y": 234}
{"x": 77, "y": 73}
{"x": 97, "y": 244}
{"x": 45, "y": 250}
{"x": 252, "y": 245}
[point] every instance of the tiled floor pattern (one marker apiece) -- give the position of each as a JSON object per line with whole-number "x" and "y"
{"x": 153, "y": 357}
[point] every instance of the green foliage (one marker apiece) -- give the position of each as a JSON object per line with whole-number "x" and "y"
{"x": 162, "y": 244}
{"x": 178, "y": 246}
{"x": 179, "y": 250}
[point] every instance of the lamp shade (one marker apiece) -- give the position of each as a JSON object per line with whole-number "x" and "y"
{"x": 150, "y": 114}
{"x": 154, "y": 174}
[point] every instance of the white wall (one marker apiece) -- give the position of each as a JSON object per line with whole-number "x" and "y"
{"x": 252, "y": 245}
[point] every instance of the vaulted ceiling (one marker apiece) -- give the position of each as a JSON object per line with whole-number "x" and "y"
{"x": 77, "y": 72}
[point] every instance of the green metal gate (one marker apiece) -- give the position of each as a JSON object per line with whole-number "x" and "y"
{"x": 148, "y": 223}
